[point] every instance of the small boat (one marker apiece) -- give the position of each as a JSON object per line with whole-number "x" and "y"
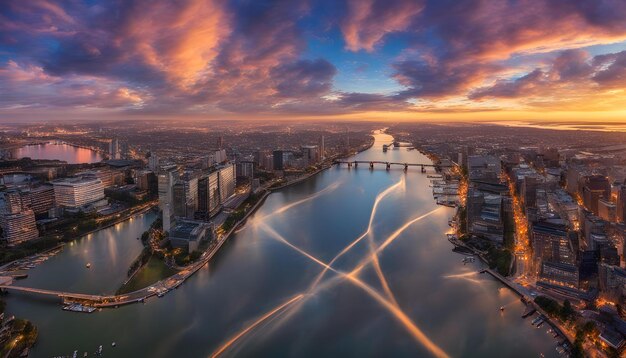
{"x": 540, "y": 324}
{"x": 88, "y": 265}
{"x": 113, "y": 344}
{"x": 75, "y": 354}
{"x": 501, "y": 308}
{"x": 100, "y": 349}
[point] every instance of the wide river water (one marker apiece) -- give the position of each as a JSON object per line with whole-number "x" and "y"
{"x": 260, "y": 287}
{"x": 60, "y": 151}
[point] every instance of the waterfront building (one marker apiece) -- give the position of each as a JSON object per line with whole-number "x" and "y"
{"x": 245, "y": 169}
{"x": 78, "y": 192}
{"x": 185, "y": 195}
{"x": 484, "y": 214}
{"x": 559, "y": 274}
{"x": 146, "y": 180}
{"x": 178, "y": 200}
{"x": 187, "y": 234}
{"x": 109, "y": 177}
{"x": 553, "y": 242}
{"x": 167, "y": 218}
{"x": 166, "y": 179}
{"x": 203, "y": 194}
{"x": 19, "y": 227}
{"x": 484, "y": 168}
{"x": 17, "y": 220}
{"x": 40, "y": 199}
{"x": 13, "y": 203}
{"x": 226, "y": 181}
{"x": 311, "y": 154}
{"x": 214, "y": 191}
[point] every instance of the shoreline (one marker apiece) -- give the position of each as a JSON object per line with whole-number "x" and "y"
{"x": 171, "y": 282}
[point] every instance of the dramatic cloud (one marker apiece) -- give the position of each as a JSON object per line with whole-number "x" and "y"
{"x": 288, "y": 58}
{"x": 368, "y": 21}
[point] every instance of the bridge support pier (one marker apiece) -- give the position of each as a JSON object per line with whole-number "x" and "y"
{"x": 356, "y": 164}
{"x": 349, "y": 164}
{"x": 406, "y": 167}
{"x": 371, "y": 165}
{"x": 388, "y": 166}
{"x": 423, "y": 170}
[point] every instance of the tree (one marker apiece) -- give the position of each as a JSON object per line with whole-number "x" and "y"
{"x": 567, "y": 311}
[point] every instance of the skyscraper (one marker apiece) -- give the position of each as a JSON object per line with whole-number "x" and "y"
{"x": 322, "y": 148}
{"x": 114, "y": 149}
{"x": 278, "y": 160}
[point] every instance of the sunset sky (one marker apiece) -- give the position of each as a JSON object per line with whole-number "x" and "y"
{"x": 333, "y": 59}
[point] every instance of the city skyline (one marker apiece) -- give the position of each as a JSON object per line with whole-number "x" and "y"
{"x": 348, "y": 60}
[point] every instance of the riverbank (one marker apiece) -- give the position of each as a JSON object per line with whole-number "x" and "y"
{"x": 47, "y": 244}
{"x": 326, "y": 165}
{"x": 17, "y": 336}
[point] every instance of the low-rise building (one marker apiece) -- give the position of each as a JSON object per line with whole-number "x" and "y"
{"x": 188, "y": 234}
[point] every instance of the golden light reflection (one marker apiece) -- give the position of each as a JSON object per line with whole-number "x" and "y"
{"x": 242, "y": 333}
{"x": 393, "y": 308}
{"x": 389, "y": 304}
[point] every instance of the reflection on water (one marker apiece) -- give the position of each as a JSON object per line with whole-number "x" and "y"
{"x": 353, "y": 262}
{"x": 60, "y": 151}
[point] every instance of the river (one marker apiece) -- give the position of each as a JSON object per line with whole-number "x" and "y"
{"x": 259, "y": 287}
{"x": 58, "y": 150}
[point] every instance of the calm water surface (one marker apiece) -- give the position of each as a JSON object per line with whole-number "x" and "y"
{"x": 60, "y": 151}
{"x": 456, "y": 308}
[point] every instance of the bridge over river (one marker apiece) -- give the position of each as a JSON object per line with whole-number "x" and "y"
{"x": 388, "y": 165}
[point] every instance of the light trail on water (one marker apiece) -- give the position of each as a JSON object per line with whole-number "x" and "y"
{"x": 392, "y": 307}
{"x": 284, "y": 208}
{"x": 391, "y": 238}
{"x": 266, "y": 316}
{"x": 390, "y": 304}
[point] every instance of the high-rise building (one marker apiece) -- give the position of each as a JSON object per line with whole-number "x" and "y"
{"x": 114, "y": 149}
{"x": 595, "y": 188}
{"x": 553, "y": 242}
{"x": 311, "y": 154}
{"x": 153, "y": 162}
{"x": 621, "y": 204}
{"x": 278, "y": 156}
{"x": 322, "y": 148}
{"x": 213, "y": 191}
{"x": 166, "y": 179}
{"x": 185, "y": 195}
{"x": 226, "y": 181}
{"x": 245, "y": 169}
{"x": 77, "y": 192}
